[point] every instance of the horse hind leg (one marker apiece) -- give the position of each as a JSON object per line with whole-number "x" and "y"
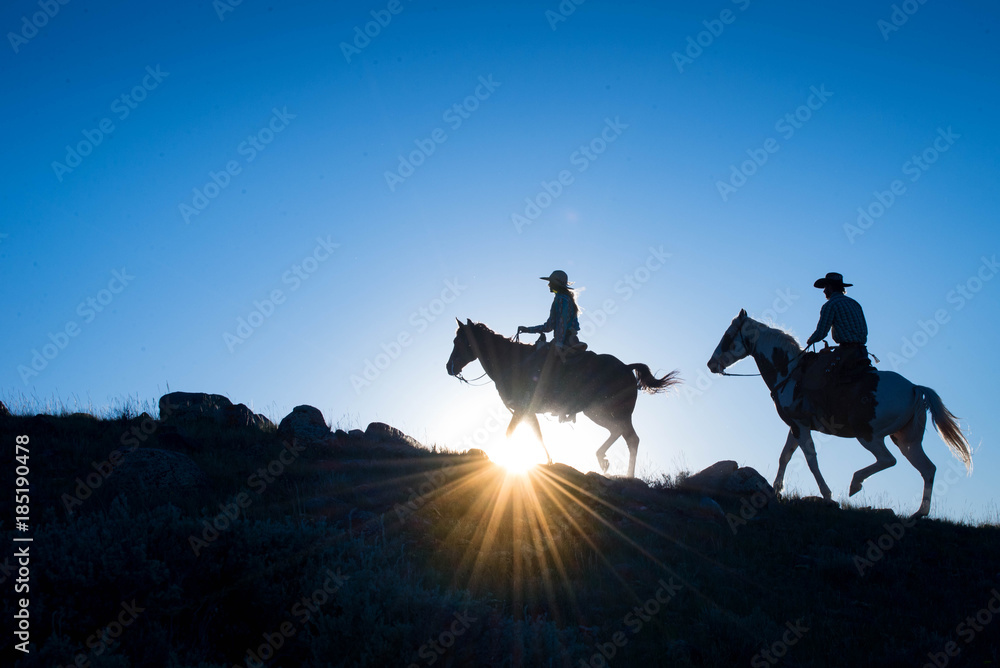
{"x": 602, "y": 459}
{"x": 910, "y": 441}
{"x": 883, "y": 460}
{"x": 632, "y": 440}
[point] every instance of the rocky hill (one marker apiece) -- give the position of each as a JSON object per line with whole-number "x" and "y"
{"x": 208, "y": 536}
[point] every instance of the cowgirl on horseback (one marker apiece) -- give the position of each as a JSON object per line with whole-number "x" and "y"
{"x": 563, "y": 321}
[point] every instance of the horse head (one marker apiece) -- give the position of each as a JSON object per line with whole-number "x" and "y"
{"x": 464, "y": 349}
{"x": 734, "y": 345}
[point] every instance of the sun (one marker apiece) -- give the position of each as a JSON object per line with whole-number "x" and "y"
{"x": 518, "y": 454}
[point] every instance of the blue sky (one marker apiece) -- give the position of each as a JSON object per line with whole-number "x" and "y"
{"x": 728, "y": 144}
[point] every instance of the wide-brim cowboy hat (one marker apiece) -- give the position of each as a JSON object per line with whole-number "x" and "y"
{"x": 558, "y": 277}
{"x": 832, "y": 280}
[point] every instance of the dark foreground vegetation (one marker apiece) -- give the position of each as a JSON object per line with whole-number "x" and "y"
{"x": 364, "y": 550}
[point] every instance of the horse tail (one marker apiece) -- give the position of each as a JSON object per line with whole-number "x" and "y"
{"x": 646, "y": 381}
{"x": 947, "y": 426}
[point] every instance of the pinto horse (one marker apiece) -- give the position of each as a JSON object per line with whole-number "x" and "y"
{"x": 888, "y": 405}
{"x": 600, "y": 386}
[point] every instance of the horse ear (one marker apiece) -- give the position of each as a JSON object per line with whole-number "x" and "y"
{"x": 743, "y": 313}
{"x": 468, "y": 321}
{"x": 458, "y": 321}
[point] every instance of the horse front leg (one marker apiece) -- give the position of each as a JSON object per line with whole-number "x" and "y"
{"x": 809, "y": 450}
{"x": 515, "y": 420}
{"x": 791, "y": 443}
{"x": 532, "y": 421}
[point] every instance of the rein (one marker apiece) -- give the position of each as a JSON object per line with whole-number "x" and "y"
{"x": 468, "y": 382}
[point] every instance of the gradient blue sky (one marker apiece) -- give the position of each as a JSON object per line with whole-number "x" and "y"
{"x": 445, "y": 232}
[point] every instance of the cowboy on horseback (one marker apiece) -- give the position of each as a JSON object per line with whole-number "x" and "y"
{"x": 846, "y": 319}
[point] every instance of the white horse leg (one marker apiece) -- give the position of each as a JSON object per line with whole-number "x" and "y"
{"x": 809, "y": 450}
{"x": 910, "y": 441}
{"x": 883, "y": 460}
{"x": 791, "y": 443}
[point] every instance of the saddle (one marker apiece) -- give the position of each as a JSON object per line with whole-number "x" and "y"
{"x": 835, "y": 389}
{"x": 558, "y": 373}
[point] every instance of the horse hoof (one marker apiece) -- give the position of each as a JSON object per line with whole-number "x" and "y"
{"x": 604, "y": 464}
{"x": 855, "y": 488}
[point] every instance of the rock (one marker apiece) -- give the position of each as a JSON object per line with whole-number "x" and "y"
{"x": 747, "y": 481}
{"x": 170, "y": 437}
{"x": 711, "y": 479}
{"x": 598, "y": 482}
{"x": 188, "y": 407}
{"x": 726, "y": 479}
{"x": 149, "y": 470}
{"x": 711, "y": 507}
{"x": 306, "y": 426}
{"x": 391, "y": 439}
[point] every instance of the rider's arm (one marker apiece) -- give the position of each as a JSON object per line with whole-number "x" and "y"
{"x": 547, "y": 326}
{"x": 823, "y": 326}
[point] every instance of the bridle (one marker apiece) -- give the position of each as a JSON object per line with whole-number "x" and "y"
{"x": 745, "y": 347}
{"x": 468, "y": 382}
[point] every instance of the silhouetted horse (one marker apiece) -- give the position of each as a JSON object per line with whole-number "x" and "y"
{"x": 882, "y": 404}
{"x": 600, "y": 386}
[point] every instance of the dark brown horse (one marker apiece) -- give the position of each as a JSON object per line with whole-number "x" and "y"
{"x": 600, "y": 386}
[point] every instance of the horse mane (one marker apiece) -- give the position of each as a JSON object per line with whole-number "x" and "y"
{"x": 483, "y": 329}
{"x": 781, "y": 335}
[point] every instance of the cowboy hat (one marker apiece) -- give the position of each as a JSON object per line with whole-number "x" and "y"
{"x": 558, "y": 277}
{"x": 832, "y": 280}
